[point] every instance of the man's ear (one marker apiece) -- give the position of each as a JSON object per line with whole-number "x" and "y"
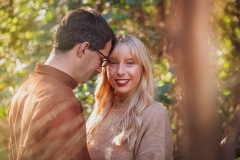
{"x": 82, "y": 49}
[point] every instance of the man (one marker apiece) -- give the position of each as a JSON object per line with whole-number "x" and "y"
{"x": 46, "y": 120}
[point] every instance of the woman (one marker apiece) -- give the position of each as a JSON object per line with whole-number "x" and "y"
{"x": 127, "y": 123}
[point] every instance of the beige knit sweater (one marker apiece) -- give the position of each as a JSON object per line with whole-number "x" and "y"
{"x": 154, "y": 141}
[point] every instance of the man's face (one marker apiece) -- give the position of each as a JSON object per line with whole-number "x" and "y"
{"x": 93, "y": 61}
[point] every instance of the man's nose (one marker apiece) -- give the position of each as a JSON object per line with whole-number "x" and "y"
{"x": 99, "y": 69}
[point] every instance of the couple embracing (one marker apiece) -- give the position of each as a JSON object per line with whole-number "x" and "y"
{"x": 46, "y": 120}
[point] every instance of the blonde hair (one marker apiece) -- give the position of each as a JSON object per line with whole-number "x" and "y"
{"x": 143, "y": 97}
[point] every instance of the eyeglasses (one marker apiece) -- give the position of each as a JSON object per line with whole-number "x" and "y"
{"x": 105, "y": 61}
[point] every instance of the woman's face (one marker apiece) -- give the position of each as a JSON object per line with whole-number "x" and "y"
{"x": 123, "y": 73}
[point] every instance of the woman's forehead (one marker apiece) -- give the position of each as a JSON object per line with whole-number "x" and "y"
{"x": 121, "y": 50}
{"x": 125, "y": 52}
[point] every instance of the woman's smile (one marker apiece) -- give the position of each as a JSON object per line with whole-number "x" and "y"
{"x": 122, "y": 82}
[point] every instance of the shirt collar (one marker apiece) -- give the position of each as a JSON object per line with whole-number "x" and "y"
{"x": 62, "y": 76}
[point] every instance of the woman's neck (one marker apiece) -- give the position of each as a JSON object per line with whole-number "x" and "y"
{"x": 120, "y": 102}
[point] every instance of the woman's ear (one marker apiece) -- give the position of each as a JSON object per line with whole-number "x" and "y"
{"x": 82, "y": 49}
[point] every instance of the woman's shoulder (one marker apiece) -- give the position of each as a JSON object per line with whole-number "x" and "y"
{"x": 156, "y": 111}
{"x": 155, "y": 108}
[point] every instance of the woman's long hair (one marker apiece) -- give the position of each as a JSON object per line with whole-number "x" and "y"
{"x": 140, "y": 100}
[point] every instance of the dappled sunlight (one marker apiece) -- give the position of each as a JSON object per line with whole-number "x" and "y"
{"x": 108, "y": 152}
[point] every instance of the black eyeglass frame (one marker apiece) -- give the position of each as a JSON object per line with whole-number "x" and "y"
{"x": 105, "y": 60}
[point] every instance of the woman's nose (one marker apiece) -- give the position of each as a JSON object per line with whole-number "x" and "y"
{"x": 121, "y": 69}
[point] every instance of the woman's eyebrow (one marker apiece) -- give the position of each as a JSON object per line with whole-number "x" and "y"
{"x": 129, "y": 59}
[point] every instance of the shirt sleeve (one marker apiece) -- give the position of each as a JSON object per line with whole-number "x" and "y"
{"x": 66, "y": 133}
{"x": 155, "y": 141}
{"x": 61, "y": 134}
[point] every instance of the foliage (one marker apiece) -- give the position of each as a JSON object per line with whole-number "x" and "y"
{"x": 229, "y": 58}
{"x": 229, "y": 74}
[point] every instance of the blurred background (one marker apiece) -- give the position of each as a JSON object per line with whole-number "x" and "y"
{"x": 195, "y": 54}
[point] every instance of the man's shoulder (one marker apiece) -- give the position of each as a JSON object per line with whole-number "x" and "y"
{"x": 50, "y": 91}
{"x": 45, "y": 83}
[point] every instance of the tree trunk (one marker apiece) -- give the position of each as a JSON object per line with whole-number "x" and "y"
{"x": 191, "y": 54}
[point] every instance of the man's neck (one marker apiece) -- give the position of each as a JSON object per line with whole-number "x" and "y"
{"x": 59, "y": 62}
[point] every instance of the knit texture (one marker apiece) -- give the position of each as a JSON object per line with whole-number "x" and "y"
{"x": 154, "y": 141}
